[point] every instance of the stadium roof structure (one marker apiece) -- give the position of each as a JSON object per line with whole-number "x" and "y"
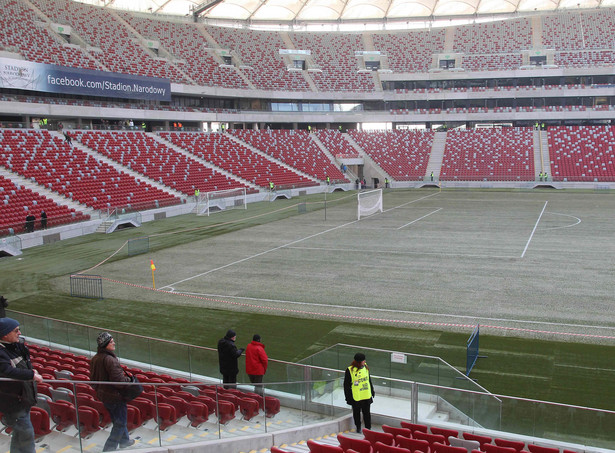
{"x": 294, "y": 11}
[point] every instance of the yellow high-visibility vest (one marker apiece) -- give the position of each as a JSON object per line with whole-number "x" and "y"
{"x": 361, "y": 389}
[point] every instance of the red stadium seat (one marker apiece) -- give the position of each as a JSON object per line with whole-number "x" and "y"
{"x": 444, "y": 432}
{"x": 376, "y": 436}
{"x": 379, "y": 447}
{"x": 480, "y": 438}
{"x": 248, "y": 408}
{"x": 40, "y": 422}
{"x": 516, "y": 444}
{"x": 397, "y": 431}
{"x": 359, "y": 445}
{"x": 413, "y": 445}
{"x": 539, "y": 449}
{"x": 272, "y": 406}
{"x": 414, "y": 427}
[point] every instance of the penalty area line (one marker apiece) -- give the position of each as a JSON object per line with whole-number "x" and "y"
{"x": 534, "y": 230}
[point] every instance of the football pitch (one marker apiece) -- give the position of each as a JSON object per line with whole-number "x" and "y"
{"x": 540, "y": 263}
{"x": 532, "y": 268}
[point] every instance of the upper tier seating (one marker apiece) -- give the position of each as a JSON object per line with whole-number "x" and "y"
{"x": 334, "y": 54}
{"x": 186, "y": 42}
{"x": 67, "y": 170}
{"x": 410, "y": 51}
{"x": 579, "y": 30}
{"x": 582, "y": 153}
{"x": 260, "y": 51}
{"x": 16, "y": 202}
{"x": 403, "y": 154}
{"x": 224, "y": 152}
{"x": 21, "y": 31}
{"x": 336, "y": 144}
{"x": 501, "y": 62}
{"x": 121, "y": 50}
{"x": 149, "y": 157}
{"x": 585, "y": 58}
{"x": 492, "y": 38}
{"x": 294, "y": 148}
{"x": 489, "y": 154}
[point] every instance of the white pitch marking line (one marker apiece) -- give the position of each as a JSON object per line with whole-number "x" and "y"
{"x": 392, "y": 310}
{"x": 282, "y": 246}
{"x": 535, "y": 226}
{"x": 406, "y": 252}
{"x": 259, "y": 254}
{"x": 410, "y": 202}
{"x": 420, "y": 218}
{"x": 565, "y": 226}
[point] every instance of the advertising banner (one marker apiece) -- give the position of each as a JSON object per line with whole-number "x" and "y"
{"x": 26, "y": 75}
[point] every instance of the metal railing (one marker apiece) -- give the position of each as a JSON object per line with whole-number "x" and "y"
{"x": 405, "y": 380}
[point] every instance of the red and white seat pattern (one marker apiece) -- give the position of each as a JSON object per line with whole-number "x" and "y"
{"x": 403, "y": 154}
{"x": 582, "y": 153}
{"x": 294, "y": 148}
{"x": 141, "y": 153}
{"x": 229, "y": 155}
{"x": 65, "y": 169}
{"x": 505, "y": 154}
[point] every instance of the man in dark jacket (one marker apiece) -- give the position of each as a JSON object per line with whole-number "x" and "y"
{"x": 106, "y": 367}
{"x": 227, "y": 356}
{"x": 3, "y": 304}
{"x": 17, "y": 397}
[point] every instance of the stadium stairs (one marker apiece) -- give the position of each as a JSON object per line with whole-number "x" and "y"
{"x": 42, "y": 190}
{"x": 206, "y": 163}
{"x": 119, "y": 167}
{"x": 268, "y": 157}
{"x": 436, "y": 156}
{"x": 292, "y": 430}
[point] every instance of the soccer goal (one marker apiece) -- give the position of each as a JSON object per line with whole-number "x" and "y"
{"x": 369, "y": 203}
{"x": 221, "y": 200}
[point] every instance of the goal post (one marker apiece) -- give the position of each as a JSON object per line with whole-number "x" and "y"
{"x": 369, "y": 203}
{"x": 221, "y": 200}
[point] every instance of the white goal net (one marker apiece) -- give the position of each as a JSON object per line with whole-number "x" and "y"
{"x": 221, "y": 200}
{"x": 369, "y": 203}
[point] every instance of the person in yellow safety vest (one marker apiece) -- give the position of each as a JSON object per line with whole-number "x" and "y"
{"x": 328, "y": 180}
{"x": 197, "y": 192}
{"x": 271, "y": 186}
{"x": 359, "y": 391}
{"x": 545, "y": 175}
{"x": 386, "y": 183}
{"x": 540, "y": 175}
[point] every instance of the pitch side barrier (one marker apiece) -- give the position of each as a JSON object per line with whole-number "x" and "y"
{"x": 411, "y": 387}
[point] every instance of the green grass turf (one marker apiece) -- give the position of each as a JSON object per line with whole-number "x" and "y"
{"x": 37, "y": 283}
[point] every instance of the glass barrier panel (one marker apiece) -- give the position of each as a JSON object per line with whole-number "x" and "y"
{"x": 203, "y": 362}
{"x": 466, "y": 408}
{"x": 132, "y": 349}
{"x": 558, "y": 422}
{"x": 393, "y": 398}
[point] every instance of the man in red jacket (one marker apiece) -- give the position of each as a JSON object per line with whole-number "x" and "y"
{"x": 256, "y": 362}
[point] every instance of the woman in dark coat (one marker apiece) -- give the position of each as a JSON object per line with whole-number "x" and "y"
{"x": 106, "y": 367}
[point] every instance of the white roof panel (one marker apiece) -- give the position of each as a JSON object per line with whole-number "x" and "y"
{"x": 340, "y": 10}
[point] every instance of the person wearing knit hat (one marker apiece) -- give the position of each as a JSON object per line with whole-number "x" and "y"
{"x": 19, "y": 395}
{"x": 228, "y": 354}
{"x": 105, "y": 366}
{"x": 359, "y": 391}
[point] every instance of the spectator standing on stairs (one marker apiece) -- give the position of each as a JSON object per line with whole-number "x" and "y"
{"x": 18, "y": 396}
